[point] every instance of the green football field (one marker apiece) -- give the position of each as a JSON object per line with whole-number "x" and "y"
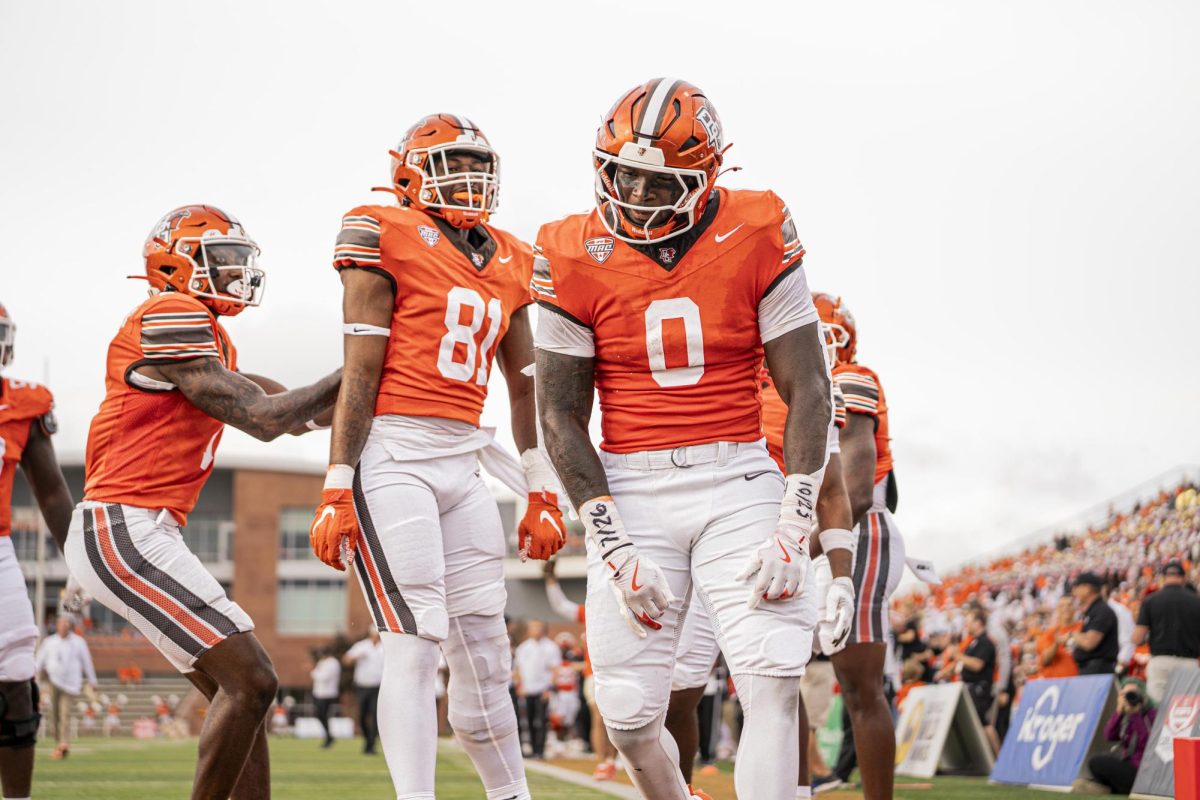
{"x": 127, "y": 769}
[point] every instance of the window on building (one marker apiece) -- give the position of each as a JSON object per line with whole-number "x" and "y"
{"x": 209, "y": 537}
{"x": 293, "y": 534}
{"x": 312, "y": 606}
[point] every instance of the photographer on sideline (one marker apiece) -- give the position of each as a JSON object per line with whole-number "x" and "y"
{"x": 1130, "y": 725}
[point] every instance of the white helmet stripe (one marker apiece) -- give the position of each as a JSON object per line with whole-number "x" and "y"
{"x": 653, "y": 110}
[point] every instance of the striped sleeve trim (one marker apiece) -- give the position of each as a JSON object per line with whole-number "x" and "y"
{"x": 542, "y": 283}
{"x": 792, "y": 248}
{"x": 839, "y": 406}
{"x": 861, "y": 393}
{"x": 358, "y": 241}
{"x": 178, "y": 335}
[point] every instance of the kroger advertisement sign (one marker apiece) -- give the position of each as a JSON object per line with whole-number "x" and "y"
{"x": 1052, "y": 731}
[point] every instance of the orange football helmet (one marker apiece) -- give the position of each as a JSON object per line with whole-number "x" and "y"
{"x": 837, "y": 324}
{"x": 8, "y": 335}
{"x": 421, "y": 173}
{"x": 662, "y": 126}
{"x": 191, "y": 246}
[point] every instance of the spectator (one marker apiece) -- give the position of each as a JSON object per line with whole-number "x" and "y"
{"x": 64, "y": 661}
{"x": 1130, "y": 725}
{"x": 1170, "y": 619}
{"x": 1124, "y": 630}
{"x": 534, "y": 661}
{"x": 366, "y": 656}
{"x": 1095, "y": 645}
{"x": 326, "y": 678}
{"x": 910, "y": 674}
{"x": 975, "y": 664}
{"x": 1054, "y": 658}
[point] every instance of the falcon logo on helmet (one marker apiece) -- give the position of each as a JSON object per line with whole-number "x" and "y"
{"x": 446, "y": 167}
{"x": 664, "y": 130}
{"x": 837, "y": 325}
{"x": 203, "y": 252}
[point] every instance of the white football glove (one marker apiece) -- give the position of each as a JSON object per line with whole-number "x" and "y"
{"x": 74, "y": 598}
{"x": 834, "y": 629}
{"x": 781, "y": 566}
{"x": 642, "y": 592}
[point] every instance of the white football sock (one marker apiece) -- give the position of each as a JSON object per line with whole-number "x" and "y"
{"x": 481, "y": 710}
{"x": 407, "y": 713}
{"x": 768, "y": 756}
{"x": 652, "y": 761}
{"x": 803, "y": 793}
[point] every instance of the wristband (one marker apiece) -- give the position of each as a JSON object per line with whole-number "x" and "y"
{"x": 799, "y": 506}
{"x": 339, "y": 476}
{"x": 363, "y": 329}
{"x": 539, "y": 474}
{"x": 837, "y": 539}
{"x": 313, "y": 425}
{"x": 603, "y": 526}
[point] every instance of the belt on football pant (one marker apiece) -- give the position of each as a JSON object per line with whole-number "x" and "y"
{"x": 676, "y": 457}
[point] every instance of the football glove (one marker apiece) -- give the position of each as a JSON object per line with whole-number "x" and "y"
{"x": 74, "y": 598}
{"x": 334, "y": 532}
{"x": 834, "y": 629}
{"x": 639, "y": 585}
{"x": 779, "y": 566}
{"x": 542, "y": 532}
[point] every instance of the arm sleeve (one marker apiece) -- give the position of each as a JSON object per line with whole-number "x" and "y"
{"x": 176, "y": 330}
{"x": 786, "y": 306}
{"x": 557, "y": 334}
{"x": 360, "y": 244}
{"x": 561, "y": 604}
{"x": 860, "y": 391}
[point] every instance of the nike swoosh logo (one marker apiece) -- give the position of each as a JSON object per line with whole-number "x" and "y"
{"x": 720, "y": 237}
{"x": 328, "y": 512}
{"x": 633, "y": 584}
{"x": 361, "y": 330}
{"x": 546, "y": 516}
{"x": 504, "y": 260}
{"x": 787, "y": 557}
{"x": 752, "y": 475}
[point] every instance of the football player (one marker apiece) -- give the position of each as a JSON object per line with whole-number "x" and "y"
{"x": 172, "y": 385}
{"x": 879, "y": 553}
{"x": 665, "y": 298}
{"x": 431, "y": 295}
{"x": 26, "y": 425}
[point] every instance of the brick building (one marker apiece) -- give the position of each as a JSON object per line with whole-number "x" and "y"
{"x": 250, "y": 528}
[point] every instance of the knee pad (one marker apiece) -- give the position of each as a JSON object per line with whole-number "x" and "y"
{"x": 477, "y": 652}
{"x": 18, "y": 731}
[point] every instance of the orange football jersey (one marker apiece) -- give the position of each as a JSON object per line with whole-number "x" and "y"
{"x": 677, "y": 351}
{"x": 860, "y": 386}
{"x": 21, "y": 405}
{"x": 775, "y": 417}
{"x": 148, "y": 445}
{"x": 450, "y": 313}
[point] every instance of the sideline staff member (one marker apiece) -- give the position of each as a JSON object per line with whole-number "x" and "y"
{"x": 1095, "y": 646}
{"x": 1171, "y": 619}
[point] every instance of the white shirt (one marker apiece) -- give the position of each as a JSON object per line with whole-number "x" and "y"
{"x": 368, "y": 662}
{"x": 66, "y": 661}
{"x": 1124, "y": 631}
{"x": 326, "y": 676}
{"x": 535, "y": 660}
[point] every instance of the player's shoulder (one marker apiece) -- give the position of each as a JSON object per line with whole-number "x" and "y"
{"x": 569, "y": 235}
{"x": 860, "y": 387}
{"x": 854, "y": 370}
{"x": 26, "y": 399}
{"x": 168, "y": 306}
{"x": 509, "y": 244}
{"x": 757, "y": 208}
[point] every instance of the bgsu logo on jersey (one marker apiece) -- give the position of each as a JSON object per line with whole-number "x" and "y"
{"x": 599, "y": 248}
{"x": 666, "y": 255}
{"x": 431, "y": 235}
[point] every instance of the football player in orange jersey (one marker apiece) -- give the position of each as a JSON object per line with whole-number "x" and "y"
{"x": 665, "y": 298}
{"x": 697, "y": 649}
{"x": 431, "y": 294}
{"x": 879, "y": 553}
{"x": 172, "y": 385}
{"x": 26, "y": 424}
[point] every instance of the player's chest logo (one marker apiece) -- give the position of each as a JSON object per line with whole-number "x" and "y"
{"x": 599, "y": 248}
{"x": 431, "y": 235}
{"x": 667, "y": 255}
{"x": 477, "y": 260}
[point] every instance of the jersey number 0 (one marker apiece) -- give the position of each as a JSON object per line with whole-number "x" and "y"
{"x": 686, "y": 310}
{"x": 459, "y": 332}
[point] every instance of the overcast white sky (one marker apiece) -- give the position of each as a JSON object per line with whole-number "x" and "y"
{"x": 1007, "y": 195}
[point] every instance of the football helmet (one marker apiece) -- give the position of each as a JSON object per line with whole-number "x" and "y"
{"x": 192, "y": 248}
{"x": 422, "y": 176}
{"x": 837, "y": 324}
{"x": 663, "y": 126}
{"x": 8, "y": 335}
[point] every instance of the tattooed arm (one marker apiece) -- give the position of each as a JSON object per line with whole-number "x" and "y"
{"x": 514, "y": 354}
{"x": 367, "y": 299}
{"x": 564, "y": 398}
{"x": 322, "y": 420}
{"x": 238, "y": 401}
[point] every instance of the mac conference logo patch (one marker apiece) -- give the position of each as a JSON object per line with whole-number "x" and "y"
{"x": 599, "y": 248}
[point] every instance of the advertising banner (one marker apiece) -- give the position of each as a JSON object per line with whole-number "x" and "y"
{"x": 940, "y": 732}
{"x": 1054, "y": 731}
{"x": 1178, "y": 717}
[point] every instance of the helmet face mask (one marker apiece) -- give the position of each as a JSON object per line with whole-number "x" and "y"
{"x": 226, "y": 269}
{"x": 615, "y": 178}
{"x": 8, "y": 337}
{"x": 446, "y": 167}
{"x": 837, "y": 327}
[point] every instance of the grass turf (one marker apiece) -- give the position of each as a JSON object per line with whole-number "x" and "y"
{"x": 128, "y": 769}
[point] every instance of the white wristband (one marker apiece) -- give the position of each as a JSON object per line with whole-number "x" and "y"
{"x": 604, "y": 527}
{"x": 539, "y": 474}
{"x": 339, "y": 476}
{"x": 313, "y": 425}
{"x": 837, "y": 539}
{"x": 799, "y": 506}
{"x": 363, "y": 329}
